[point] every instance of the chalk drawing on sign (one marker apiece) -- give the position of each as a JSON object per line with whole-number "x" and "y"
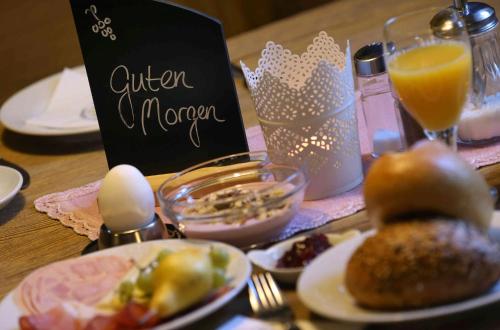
{"x": 101, "y": 26}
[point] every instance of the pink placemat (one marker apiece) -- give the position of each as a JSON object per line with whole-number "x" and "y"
{"x": 77, "y": 208}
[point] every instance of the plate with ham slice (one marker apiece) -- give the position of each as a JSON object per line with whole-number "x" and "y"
{"x": 69, "y": 294}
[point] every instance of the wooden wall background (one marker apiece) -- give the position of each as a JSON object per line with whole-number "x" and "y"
{"x": 38, "y": 37}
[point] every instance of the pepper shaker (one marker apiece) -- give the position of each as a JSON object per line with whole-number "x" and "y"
{"x": 382, "y": 120}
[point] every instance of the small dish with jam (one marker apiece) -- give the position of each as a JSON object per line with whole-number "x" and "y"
{"x": 286, "y": 260}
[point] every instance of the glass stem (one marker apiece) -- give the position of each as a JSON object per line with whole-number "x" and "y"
{"x": 448, "y": 136}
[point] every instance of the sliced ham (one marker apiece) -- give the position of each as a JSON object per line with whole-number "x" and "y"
{"x": 83, "y": 280}
{"x": 66, "y": 317}
{"x": 56, "y": 318}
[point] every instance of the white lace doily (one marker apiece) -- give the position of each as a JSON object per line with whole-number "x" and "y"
{"x": 77, "y": 208}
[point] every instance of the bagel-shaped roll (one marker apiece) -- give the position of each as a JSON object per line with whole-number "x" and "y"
{"x": 429, "y": 179}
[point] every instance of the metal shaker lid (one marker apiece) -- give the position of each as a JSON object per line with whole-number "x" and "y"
{"x": 479, "y": 17}
{"x": 369, "y": 60}
{"x": 447, "y": 24}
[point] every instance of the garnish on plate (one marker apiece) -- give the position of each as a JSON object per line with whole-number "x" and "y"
{"x": 175, "y": 280}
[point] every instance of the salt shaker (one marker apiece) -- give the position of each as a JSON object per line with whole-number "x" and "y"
{"x": 382, "y": 120}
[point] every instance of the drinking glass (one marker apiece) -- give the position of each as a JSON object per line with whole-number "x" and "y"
{"x": 430, "y": 66}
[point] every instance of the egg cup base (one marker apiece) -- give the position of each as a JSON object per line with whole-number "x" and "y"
{"x": 153, "y": 230}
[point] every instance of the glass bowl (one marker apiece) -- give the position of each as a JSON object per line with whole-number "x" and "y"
{"x": 241, "y": 199}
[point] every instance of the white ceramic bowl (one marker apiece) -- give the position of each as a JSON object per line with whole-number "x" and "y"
{"x": 10, "y": 183}
{"x": 267, "y": 259}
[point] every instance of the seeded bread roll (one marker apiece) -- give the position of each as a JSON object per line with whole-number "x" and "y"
{"x": 428, "y": 179}
{"x": 422, "y": 263}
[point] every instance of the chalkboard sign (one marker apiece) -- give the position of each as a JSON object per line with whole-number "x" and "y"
{"x": 161, "y": 83}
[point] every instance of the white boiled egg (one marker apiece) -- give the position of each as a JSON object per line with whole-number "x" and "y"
{"x": 126, "y": 200}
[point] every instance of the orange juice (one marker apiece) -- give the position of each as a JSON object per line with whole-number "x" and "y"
{"x": 432, "y": 82}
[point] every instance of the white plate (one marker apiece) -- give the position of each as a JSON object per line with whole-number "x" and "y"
{"x": 10, "y": 183}
{"x": 238, "y": 271}
{"x": 32, "y": 100}
{"x": 321, "y": 289}
{"x": 267, "y": 259}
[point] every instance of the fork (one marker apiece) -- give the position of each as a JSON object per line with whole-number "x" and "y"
{"x": 267, "y": 301}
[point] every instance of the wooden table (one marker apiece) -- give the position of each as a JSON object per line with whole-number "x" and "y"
{"x": 29, "y": 239}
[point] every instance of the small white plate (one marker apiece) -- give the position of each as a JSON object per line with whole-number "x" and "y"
{"x": 10, "y": 183}
{"x": 267, "y": 259}
{"x": 321, "y": 288}
{"x": 238, "y": 270}
{"x": 33, "y": 100}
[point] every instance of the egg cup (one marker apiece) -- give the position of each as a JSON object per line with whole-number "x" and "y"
{"x": 153, "y": 230}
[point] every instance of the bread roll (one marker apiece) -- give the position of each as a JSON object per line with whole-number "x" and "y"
{"x": 428, "y": 179}
{"x": 422, "y": 263}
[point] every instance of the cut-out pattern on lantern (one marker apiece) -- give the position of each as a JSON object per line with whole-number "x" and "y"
{"x": 306, "y": 108}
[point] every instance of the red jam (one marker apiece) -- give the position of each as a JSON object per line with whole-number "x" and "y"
{"x": 304, "y": 251}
